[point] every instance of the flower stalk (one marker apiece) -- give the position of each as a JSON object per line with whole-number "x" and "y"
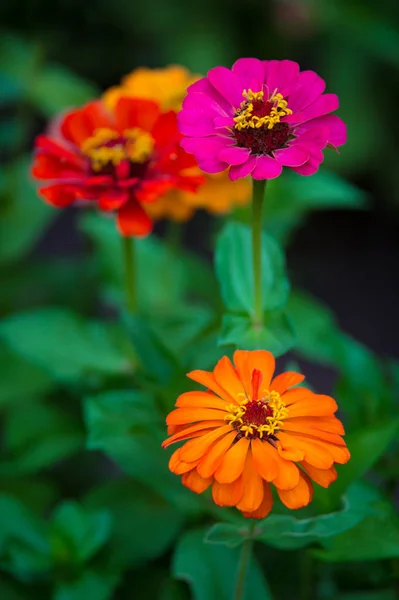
{"x": 244, "y": 562}
{"x": 257, "y": 204}
{"x": 130, "y": 273}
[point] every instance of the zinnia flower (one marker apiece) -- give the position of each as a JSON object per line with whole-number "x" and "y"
{"x": 248, "y": 430}
{"x": 168, "y": 86}
{"x": 259, "y": 117}
{"x": 123, "y": 160}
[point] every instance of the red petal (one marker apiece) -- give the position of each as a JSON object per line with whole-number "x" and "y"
{"x": 136, "y": 112}
{"x": 47, "y": 145}
{"x": 133, "y": 220}
{"x": 165, "y": 131}
{"x": 112, "y": 199}
{"x": 58, "y": 195}
{"x": 150, "y": 191}
{"x": 80, "y": 124}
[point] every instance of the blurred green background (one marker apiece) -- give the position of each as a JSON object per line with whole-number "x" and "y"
{"x": 340, "y": 230}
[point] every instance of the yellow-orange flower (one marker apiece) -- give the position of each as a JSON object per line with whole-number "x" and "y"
{"x": 248, "y": 430}
{"x": 168, "y": 86}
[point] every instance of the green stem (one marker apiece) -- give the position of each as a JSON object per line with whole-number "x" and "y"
{"x": 307, "y": 575}
{"x": 257, "y": 203}
{"x": 244, "y": 561}
{"x": 129, "y": 266}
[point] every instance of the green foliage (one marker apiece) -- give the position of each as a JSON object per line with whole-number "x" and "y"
{"x": 233, "y": 262}
{"x": 208, "y": 570}
{"x": 64, "y": 344}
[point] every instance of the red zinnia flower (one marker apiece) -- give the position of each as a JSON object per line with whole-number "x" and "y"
{"x": 120, "y": 159}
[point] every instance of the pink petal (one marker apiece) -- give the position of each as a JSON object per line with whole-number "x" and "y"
{"x": 203, "y": 102}
{"x": 267, "y": 168}
{"x": 294, "y": 156}
{"x": 240, "y": 171}
{"x": 195, "y": 123}
{"x": 325, "y": 104}
{"x": 203, "y": 86}
{"x": 309, "y": 87}
{"x": 311, "y": 136}
{"x": 112, "y": 199}
{"x": 309, "y": 168}
{"x": 205, "y": 148}
{"x": 337, "y": 127}
{"x": 251, "y": 72}
{"x": 282, "y": 75}
{"x": 234, "y": 155}
{"x": 227, "y": 84}
{"x": 222, "y": 122}
{"x": 212, "y": 165}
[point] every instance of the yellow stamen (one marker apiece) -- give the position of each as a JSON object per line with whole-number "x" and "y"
{"x": 245, "y": 118}
{"x": 237, "y": 415}
{"x": 108, "y": 146}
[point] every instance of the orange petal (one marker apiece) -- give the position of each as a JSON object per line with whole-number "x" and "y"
{"x": 194, "y": 449}
{"x": 284, "y": 381}
{"x": 331, "y": 424}
{"x": 333, "y": 438}
{"x": 192, "y": 431}
{"x": 263, "y": 455}
{"x": 233, "y": 462}
{"x": 293, "y": 454}
{"x": 195, "y": 482}
{"x": 288, "y": 474}
{"x": 226, "y": 376}
{"x": 252, "y": 495}
{"x": 208, "y": 380}
{"x": 212, "y": 459}
{"x": 178, "y": 466}
{"x": 246, "y": 361}
{"x": 295, "y": 395}
{"x": 323, "y": 477}
{"x": 300, "y": 496}
{"x": 201, "y": 399}
{"x": 227, "y": 494}
{"x": 265, "y": 506}
{"x": 315, "y": 405}
{"x": 182, "y": 416}
{"x": 315, "y": 453}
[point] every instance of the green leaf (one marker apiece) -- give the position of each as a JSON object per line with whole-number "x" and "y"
{"x": 92, "y": 585}
{"x": 366, "y": 446}
{"x": 227, "y": 534}
{"x": 234, "y": 270}
{"x": 209, "y": 570}
{"x": 23, "y": 216}
{"x": 277, "y": 335}
{"x": 64, "y": 344}
{"x": 38, "y": 437}
{"x": 20, "y": 380}
{"x": 56, "y": 88}
{"x": 144, "y": 524}
{"x": 19, "y": 523}
{"x": 318, "y": 335}
{"x": 122, "y": 424}
{"x": 79, "y": 532}
{"x": 375, "y": 538}
{"x": 154, "y": 357}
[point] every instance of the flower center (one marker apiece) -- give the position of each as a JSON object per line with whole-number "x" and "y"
{"x": 110, "y": 148}
{"x": 260, "y": 416}
{"x": 258, "y": 125}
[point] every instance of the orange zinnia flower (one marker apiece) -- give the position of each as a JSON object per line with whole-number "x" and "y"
{"x": 250, "y": 430}
{"x": 168, "y": 86}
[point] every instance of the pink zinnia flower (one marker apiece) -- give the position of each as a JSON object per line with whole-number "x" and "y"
{"x": 259, "y": 117}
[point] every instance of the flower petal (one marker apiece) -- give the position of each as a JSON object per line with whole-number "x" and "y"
{"x": 212, "y": 459}
{"x": 250, "y": 72}
{"x": 178, "y": 466}
{"x": 227, "y": 494}
{"x": 241, "y": 171}
{"x": 325, "y": 104}
{"x": 252, "y": 495}
{"x": 265, "y": 506}
{"x": 323, "y": 477}
{"x": 267, "y": 168}
{"x": 288, "y": 474}
{"x": 196, "y": 123}
{"x": 315, "y": 453}
{"x": 58, "y": 195}
{"x": 227, "y": 377}
{"x": 282, "y": 75}
{"x": 299, "y": 496}
{"x": 264, "y": 459}
{"x": 196, "y": 448}
{"x": 136, "y": 112}
{"x": 233, "y": 462}
{"x": 192, "y": 431}
{"x": 286, "y": 380}
{"x": 247, "y": 361}
{"x": 293, "y": 156}
{"x": 202, "y": 400}
{"x": 309, "y": 87}
{"x": 112, "y": 199}
{"x": 133, "y": 220}
{"x": 233, "y": 155}
{"x": 315, "y": 405}
{"x": 208, "y": 380}
{"x": 180, "y": 416}
{"x": 195, "y": 482}
{"x": 336, "y": 126}
{"x": 227, "y": 84}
